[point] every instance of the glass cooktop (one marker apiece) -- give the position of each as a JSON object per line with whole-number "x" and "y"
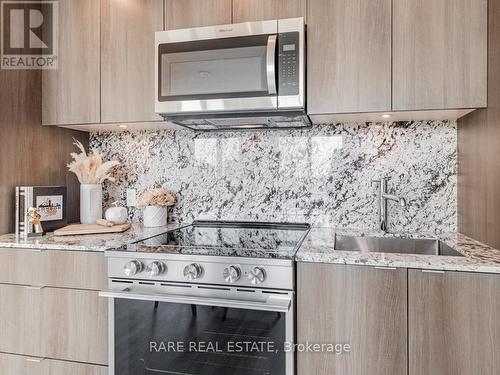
{"x": 273, "y": 240}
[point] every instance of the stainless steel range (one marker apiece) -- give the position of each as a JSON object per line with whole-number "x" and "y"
{"x": 209, "y": 298}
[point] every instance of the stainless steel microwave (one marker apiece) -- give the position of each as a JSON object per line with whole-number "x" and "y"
{"x": 245, "y": 75}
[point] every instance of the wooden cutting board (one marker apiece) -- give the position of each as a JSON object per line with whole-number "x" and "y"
{"x": 77, "y": 229}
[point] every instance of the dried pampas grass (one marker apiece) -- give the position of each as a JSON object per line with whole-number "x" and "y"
{"x": 89, "y": 168}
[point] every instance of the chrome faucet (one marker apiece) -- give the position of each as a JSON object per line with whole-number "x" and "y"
{"x": 382, "y": 201}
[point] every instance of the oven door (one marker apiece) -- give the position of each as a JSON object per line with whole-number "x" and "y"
{"x": 200, "y": 330}
{"x": 219, "y": 69}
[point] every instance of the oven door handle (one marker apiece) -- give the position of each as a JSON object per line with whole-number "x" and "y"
{"x": 271, "y": 64}
{"x": 278, "y": 303}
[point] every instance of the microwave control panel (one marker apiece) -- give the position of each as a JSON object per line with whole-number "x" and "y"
{"x": 289, "y": 64}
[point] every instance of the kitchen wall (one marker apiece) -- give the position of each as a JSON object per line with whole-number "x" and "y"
{"x": 321, "y": 175}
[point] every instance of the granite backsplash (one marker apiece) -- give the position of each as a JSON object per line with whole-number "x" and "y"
{"x": 322, "y": 175}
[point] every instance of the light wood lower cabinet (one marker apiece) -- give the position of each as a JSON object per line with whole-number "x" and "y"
{"x": 74, "y": 325}
{"x": 454, "y": 323}
{"x": 66, "y": 269}
{"x": 362, "y": 306}
{"x": 21, "y": 365}
{"x": 20, "y": 320}
{"x": 66, "y": 324}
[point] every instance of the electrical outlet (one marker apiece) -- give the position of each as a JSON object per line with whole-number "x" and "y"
{"x": 131, "y": 197}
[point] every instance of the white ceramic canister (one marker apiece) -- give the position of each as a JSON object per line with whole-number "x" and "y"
{"x": 155, "y": 216}
{"x": 117, "y": 215}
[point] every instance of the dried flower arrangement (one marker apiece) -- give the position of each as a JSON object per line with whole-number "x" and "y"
{"x": 89, "y": 168}
{"x": 156, "y": 197}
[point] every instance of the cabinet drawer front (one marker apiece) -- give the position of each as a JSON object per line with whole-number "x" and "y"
{"x": 20, "y": 309}
{"x": 11, "y": 364}
{"x": 66, "y": 324}
{"x": 18, "y": 266}
{"x": 75, "y": 325}
{"x": 74, "y": 269}
{"x": 71, "y": 368}
{"x": 65, "y": 269}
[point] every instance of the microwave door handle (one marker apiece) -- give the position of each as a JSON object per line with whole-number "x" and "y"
{"x": 278, "y": 303}
{"x": 271, "y": 64}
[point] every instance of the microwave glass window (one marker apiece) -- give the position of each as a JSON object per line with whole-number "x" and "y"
{"x": 213, "y": 72}
{"x": 227, "y": 68}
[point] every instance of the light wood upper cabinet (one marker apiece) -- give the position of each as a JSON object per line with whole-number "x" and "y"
{"x": 127, "y": 59}
{"x": 180, "y": 14}
{"x": 71, "y": 94}
{"x": 454, "y": 323}
{"x": 440, "y": 54}
{"x": 258, "y": 10}
{"x": 357, "y": 305}
{"x": 349, "y": 56}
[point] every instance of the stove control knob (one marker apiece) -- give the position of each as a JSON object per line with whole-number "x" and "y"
{"x": 231, "y": 274}
{"x": 133, "y": 268}
{"x": 257, "y": 275}
{"x": 193, "y": 271}
{"x": 155, "y": 268}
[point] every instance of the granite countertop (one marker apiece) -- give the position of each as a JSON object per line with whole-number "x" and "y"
{"x": 87, "y": 242}
{"x": 478, "y": 257}
{"x": 318, "y": 246}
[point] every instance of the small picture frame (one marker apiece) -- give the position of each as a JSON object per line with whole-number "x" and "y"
{"x": 51, "y": 203}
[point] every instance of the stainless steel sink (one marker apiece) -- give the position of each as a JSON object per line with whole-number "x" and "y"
{"x": 394, "y": 245}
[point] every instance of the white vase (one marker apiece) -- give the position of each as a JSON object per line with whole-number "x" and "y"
{"x": 90, "y": 203}
{"x": 155, "y": 216}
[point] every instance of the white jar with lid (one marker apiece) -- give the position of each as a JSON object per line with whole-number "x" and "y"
{"x": 117, "y": 214}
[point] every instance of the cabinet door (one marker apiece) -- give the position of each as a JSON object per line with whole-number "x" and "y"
{"x": 55, "y": 268}
{"x": 73, "y": 269}
{"x": 454, "y": 323}
{"x": 75, "y": 325}
{"x": 71, "y": 94}
{"x": 180, "y": 14}
{"x": 362, "y": 306}
{"x": 349, "y": 56}
{"x": 20, "y": 320}
{"x": 258, "y": 10}
{"x": 18, "y": 266}
{"x": 20, "y": 365}
{"x": 440, "y": 54}
{"x": 128, "y": 59}
{"x": 11, "y": 364}
{"x": 73, "y": 368}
